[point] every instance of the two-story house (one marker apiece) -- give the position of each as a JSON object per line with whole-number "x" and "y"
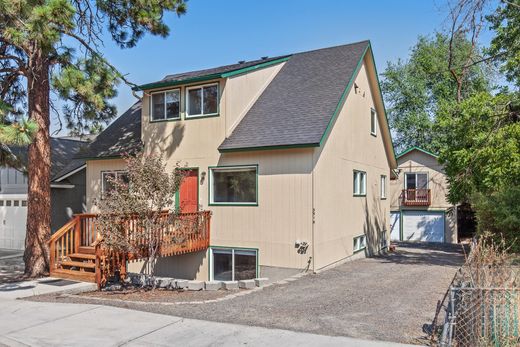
{"x": 419, "y": 208}
{"x": 292, "y": 155}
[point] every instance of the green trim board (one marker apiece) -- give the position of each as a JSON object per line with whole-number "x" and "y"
{"x": 415, "y": 148}
{"x": 208, "y": 77}
{"x": 210, "y": 254}
{"x": 229, "y": 167}
{"x": 177, "y": 193}
{"x": 268, "y": 148}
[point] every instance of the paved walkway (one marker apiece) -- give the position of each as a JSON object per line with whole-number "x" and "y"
{"x": 26, "y": 323}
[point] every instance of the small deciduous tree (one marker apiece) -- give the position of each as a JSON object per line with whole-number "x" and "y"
{"x": 137, "y": 209}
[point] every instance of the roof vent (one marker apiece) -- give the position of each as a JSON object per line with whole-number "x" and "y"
{"x": 264, "y": 58}
{"x": 241, "y": 61}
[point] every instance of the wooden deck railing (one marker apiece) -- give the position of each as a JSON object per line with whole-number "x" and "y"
{"x": 184, "y": 233}
{"x": 416, "y": 197}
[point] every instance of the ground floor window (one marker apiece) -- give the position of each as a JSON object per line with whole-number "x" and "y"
{"x": 233, "y": 185}
{"x": 107, "y": 178}
{"x": 233, "y": 264}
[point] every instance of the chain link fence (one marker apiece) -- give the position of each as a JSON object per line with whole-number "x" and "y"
{"x": 482, "y": 317}
{"x": 482, "y": 305}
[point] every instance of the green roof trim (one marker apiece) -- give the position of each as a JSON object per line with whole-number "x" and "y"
{"x": 343, "y": 97}
{"x": 346, "y": 92}
{"x": 254, "y": 67}
{"x": 415, "y": 148}
{"x": 268, "y": 148}
{"x": 210, "y": 76}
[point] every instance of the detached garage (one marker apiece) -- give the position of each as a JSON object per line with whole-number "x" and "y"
{"x": 426, "y": 226}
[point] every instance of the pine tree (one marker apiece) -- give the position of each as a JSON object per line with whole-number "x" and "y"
{"x": 55, "y": 45}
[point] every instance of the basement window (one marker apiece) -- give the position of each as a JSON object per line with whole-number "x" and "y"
{"x": 359, "y": 243}
{"x": 233, "y": 264}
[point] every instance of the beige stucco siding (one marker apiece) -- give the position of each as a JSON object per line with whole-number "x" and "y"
{"x": 340, "y": 216}
{"x": 417, "y": 161}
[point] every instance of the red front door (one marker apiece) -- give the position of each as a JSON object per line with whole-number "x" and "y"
{"x": 189, "y": 191}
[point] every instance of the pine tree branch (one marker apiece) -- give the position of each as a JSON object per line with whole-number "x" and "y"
{"x": 95, "y": 53}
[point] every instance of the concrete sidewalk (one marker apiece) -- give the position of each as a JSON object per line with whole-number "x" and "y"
{"x": 25, "y": 323}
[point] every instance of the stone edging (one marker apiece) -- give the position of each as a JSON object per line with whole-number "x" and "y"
{"x": 224, "y": 298}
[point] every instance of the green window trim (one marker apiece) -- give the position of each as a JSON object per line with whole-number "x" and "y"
{"x": 364, "y": 191}
{"x": 187, "y": 115}
{"x": 210, "y": 176}
{"x": 210, "y": 258}
{"x": 165, "y": 119}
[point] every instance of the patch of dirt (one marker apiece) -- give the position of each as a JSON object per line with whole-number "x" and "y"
{"x": 159, "y": 295}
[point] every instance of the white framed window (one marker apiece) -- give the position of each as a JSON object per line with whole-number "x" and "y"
{"x": 416, "y": 180}
{"x": 360, "y": 243}
{"x": 107, "y": 178}
{"x": 165, "y": 105}
{"x": 202, "y": 100}
{"x": 236, "y": 185}
{"x": 383, "y": 186}
{"x": 233, "y": 264}
{"x": 360, "y": 183}
{"x": 373, "y": 122}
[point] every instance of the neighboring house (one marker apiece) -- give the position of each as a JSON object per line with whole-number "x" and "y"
{"x": 420, "y": 210}
{"x": 292, "y": 155}
{"x": 67, "y": 191}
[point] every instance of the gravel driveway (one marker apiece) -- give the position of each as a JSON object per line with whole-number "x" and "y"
{"x": 385, "y": 298}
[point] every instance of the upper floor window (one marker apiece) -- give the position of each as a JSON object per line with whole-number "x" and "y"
{"x": 373, "y": 122}
{"x": 383, "y": 187}
{"x": 416, "y": 180}
{"x": 202, "y": 101}
{"x": 360, "y": 183}
{"x": 108, "y": 177}
{"x": 165, "y": 105}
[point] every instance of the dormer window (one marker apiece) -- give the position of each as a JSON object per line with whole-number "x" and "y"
{"x": 165, "y": 105}
{"x": 202, "y": 101}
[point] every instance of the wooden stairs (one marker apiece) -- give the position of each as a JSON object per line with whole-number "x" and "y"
{"x": 79, "y": 266}
{"x": 76, "y": 253}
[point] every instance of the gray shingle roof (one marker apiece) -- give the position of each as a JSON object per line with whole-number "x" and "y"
{"x": 62, "y": 154}
{"x": 299, "y": 103}
{"x": 207, "y": 73}
{"x": 121, "y": 137}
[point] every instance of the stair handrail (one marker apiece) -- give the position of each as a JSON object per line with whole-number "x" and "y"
{"x": 60, "y": 233}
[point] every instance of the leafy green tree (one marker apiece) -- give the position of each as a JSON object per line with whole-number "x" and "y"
{"x": 55, "y": 45}
{"x": 505, "y": 45}
{"x": 413, "y": 90}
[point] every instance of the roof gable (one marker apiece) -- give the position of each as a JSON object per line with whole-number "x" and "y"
{"x": 415, "y": 148}
{"x": 301, "y": 102}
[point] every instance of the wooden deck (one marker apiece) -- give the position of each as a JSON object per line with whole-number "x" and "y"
{"x": 76, "y": 252}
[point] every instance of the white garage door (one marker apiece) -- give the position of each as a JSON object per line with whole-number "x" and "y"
{"x": 13, "y": 219}
{"x": 423, "y": 226}
{"x": 395, "y": 228}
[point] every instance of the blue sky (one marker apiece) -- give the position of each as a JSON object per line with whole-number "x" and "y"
{"x": 214, "y": 33}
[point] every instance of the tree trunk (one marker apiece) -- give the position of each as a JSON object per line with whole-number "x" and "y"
{"x": 36, "y": 255}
